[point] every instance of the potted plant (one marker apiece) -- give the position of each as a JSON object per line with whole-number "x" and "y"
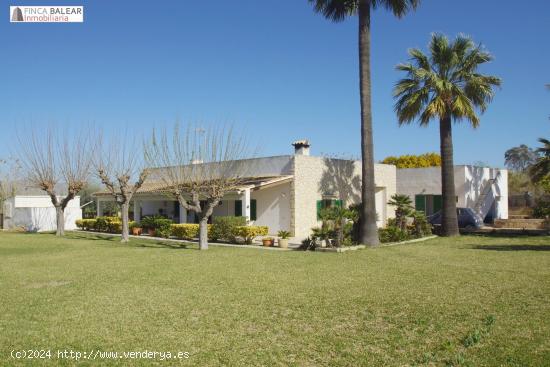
{"x": 283, "y": 238}
{"x": 148, "y": 224}
{"x": 268, "y": 241}
{"x": 135, "y": 228}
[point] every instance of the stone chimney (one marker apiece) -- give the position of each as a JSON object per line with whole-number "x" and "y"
{"x": 301, "y": 147}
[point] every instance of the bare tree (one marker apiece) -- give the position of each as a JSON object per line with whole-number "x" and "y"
{"x": 9, "y": 172}
{"x": 55, "y": 162}
{"x": 120, "y": 166}
{"x": 198, "y": 167}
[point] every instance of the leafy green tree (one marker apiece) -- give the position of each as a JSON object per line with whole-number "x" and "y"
{"x": 414, "y": 161}
{"x": 519, "y": 158}
{"x": 445, "y": 85}
{"x": 403, "y": 209}
{"x": 541, "y": 168}
{"x": 337, "y": 11}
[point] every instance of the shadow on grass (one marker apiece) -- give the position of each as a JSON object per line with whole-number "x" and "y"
{"x": 511, "y": 247}
{"x": 134, "y": 242}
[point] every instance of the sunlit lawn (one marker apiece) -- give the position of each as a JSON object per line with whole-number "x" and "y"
{"x": 473, "y": 301}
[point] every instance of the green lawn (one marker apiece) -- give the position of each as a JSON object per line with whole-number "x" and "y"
{"x": 472, "y": 301}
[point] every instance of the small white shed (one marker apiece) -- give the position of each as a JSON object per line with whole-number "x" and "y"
{"x": 37, "y": 213}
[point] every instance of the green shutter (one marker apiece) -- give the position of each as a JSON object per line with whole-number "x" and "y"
{"x": 238, "y": 208}
{"x": 253, "y": 209}
{"x": 420, "y": 203}
{"x": 319, "y": 207}
{"x": 338, "y": 203}
{"x": 438, "y": 203}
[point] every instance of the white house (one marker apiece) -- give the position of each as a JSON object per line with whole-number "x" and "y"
{"x": 280, "y": 192}
{"x": 483, "y": 189}
{"x": 37, "y": 213}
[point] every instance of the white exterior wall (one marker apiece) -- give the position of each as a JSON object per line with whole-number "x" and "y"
{"x": 475, "y": 179}
{"x": 469, "y": 182}
{"x": 317, "y": 176}
{"x": 273, "y": 207}
{"x": 37, "y": 213}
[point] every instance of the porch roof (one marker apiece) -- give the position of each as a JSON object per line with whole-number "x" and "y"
{"x": 252, "y": 183}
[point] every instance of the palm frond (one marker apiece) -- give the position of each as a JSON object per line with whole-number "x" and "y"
{"x": 335, "y": 10}
{"x": 445, "y": 83}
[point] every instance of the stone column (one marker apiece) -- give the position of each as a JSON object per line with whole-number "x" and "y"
{"x": 183, "y": 214}
{"x": 137, "y": 211}
{"x": 99, "y": 208}
{"x": 245, "y": 200}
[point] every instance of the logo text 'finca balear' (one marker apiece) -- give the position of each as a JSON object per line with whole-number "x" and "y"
{"x": 46, "y": 14}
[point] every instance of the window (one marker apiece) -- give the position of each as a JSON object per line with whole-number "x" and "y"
{"x": 327, "y": 203}
{"x": 239, "y": 208}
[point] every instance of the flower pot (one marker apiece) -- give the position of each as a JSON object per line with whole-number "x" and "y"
{"x": 136, "y": 231}
{"x": 267, "y": 242}
{"x": 283, "y": 242}
{"x": 151, "y": 232}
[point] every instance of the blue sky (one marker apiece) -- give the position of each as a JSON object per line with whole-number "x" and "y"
{"x": 272, "y": 67}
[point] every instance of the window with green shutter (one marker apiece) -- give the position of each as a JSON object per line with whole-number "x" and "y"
{"x": 438, "y": 203}
{"x": 327, "y": 203}
{"x": 253, "y": 209}
{"x": 420, "y": 203}
{"x": 238, "y": 208}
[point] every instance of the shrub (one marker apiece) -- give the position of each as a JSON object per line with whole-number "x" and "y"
{"x": 148, "y": 222}
{"x": 186, "y": 231}
{"x": 86, "y": 224}
{"x": 224, "y": 228}
{"x": 114, "y": 226}
{"x": 79, "y": 224}
{"x": 392, "y": 234}
{"x": 307, "y": 244}
{"x": 101, "y": 224}
{"x": 541, "y": 209}
{"x": 163, "y": 227}
{"x": 421, "y": 226}
{"x": 248, "y": 233}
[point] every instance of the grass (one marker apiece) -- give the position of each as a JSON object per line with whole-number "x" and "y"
{"x": 470, "y": 301}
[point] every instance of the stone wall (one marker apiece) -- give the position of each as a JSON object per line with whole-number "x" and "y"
{"x": 317, "y": 177}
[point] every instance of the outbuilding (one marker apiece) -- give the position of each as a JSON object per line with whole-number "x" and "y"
{"x": 483, "y": 189}
{"x": 36, "y": 213}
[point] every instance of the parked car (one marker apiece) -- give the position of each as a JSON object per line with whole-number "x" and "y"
{"x": 466, "y": 218}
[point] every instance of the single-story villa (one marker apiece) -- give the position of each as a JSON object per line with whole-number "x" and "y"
{"x": 287, "y": 192}
{"x": 281, "y": 192}
{"x": 483, "y": 189}
{"x": 36, "y": 213}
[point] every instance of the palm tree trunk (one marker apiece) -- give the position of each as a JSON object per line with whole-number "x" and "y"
{"x": 368, "y": 229}
{"x": 449, "y": 221}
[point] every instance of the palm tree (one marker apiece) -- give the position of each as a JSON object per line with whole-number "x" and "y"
{"x": 445, "y": 85}
{"x": 338, "y": 10}
{"x": 403, "y": 209}
{"x": 541, "y": 168}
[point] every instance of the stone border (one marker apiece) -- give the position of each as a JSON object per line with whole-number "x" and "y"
{"x": 361, "y": 247}
{"x": 339, "y": 249}
{"x": 422, "y": 239}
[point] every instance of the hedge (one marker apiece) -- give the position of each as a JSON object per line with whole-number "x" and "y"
{"x": 185, "y": 231}
{"x": 248, "y": 233}
{"x": 223, "y": 229}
